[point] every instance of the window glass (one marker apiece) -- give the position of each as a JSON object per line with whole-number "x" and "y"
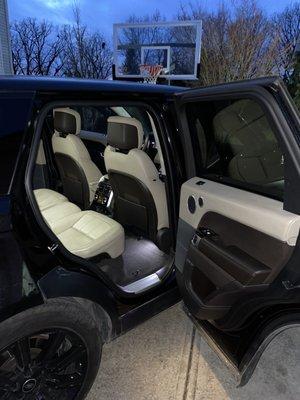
{"x": 141, "y": 115}
{"x": 236, "y": 144}
{"x": 94, "y": 118}
{"x": 13, "y": 119}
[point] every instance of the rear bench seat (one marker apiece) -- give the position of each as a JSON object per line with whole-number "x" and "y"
{"x": 47, "y": 198}
{"x": 84, "y": 233}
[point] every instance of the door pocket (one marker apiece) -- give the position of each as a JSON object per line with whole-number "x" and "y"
{"x": 207, "y": 283}
{"x": 236, "y": 262}
{"x": 215, "y": 276}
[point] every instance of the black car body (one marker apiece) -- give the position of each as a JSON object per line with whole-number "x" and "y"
{"x": 234, "y": 234}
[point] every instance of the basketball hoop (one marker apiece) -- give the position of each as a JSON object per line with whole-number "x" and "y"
{"x": 141, "y": 49}
{"x": 150, "y": 73}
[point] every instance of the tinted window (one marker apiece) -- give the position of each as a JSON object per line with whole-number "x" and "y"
{"x": 236, "y": 144}
{"x": 94, "y": 118}
{"x": 141, "y": 115}
{"x": 13, "y": 119}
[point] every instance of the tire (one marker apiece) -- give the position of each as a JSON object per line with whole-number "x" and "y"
{"x": 57, "y": 315}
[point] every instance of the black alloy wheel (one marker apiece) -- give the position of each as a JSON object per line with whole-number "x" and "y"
{"x": 50, "y": 352}
{"x": 44, "y": 366}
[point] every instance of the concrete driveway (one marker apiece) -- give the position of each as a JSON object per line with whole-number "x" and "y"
{"x": 165, "y": 359}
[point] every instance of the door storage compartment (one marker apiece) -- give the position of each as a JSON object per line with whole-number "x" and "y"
{"x": 215, "y": 277}
{"x": 206, "y": 278}
{"x": 240, "y": 265}
{"x": 201, "y": 286}
{"x": 197, "y": 290}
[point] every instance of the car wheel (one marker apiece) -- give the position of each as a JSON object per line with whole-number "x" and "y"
{"x": 49, "y": 352}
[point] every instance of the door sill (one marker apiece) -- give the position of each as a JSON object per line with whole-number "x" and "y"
{"x": 230, "y": 364}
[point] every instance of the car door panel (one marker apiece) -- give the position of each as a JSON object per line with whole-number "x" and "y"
{"x": 237, "y": 250}
{"x": 237, "y": 263}
{"x": 261, "y": 255}
{"x": 259, "y": 212}
{"x": 236, "y": 240}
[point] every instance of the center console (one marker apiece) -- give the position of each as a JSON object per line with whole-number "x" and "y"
{"x": 103, "y": 201}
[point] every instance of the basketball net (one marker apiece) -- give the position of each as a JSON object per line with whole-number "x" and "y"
{"x": 150, "y": 73}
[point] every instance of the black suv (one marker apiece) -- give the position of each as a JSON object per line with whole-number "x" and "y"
{"x": 118, "y": 200}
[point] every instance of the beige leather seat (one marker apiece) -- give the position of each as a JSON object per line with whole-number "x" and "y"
{"x": 47, "y": 198}
{"x": 84, "y": 233}
{"x": 139, "y": 194}
{"x": 245, "y": 138}
{"x": 80, "y": 176}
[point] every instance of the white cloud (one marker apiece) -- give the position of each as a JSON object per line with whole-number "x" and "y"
{"x": 56, "y": 4}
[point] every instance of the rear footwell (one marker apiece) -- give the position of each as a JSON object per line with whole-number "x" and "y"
{"x": 141, "y": 258}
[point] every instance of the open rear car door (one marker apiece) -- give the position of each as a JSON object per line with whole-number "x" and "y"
{"x": 238, "y": 250}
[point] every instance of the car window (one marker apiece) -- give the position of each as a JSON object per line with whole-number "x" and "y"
{"x": 141, "y": 115}
{"x": 236, "y": 144}
{"x": 94, "y": 118}
{"x": 13, "y": 118}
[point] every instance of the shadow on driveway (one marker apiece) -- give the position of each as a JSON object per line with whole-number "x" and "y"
{"x": 165, "y": 359}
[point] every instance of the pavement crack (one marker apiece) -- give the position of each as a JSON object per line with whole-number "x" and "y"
{"x": 187, "y": 379}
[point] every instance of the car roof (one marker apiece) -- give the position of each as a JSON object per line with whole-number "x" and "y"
{"x": 33, "y": 83}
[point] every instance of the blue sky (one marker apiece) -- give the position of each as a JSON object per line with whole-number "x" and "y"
{"x": 101, "y": 14}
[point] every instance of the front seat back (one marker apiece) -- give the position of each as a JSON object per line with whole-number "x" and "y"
{"x": 140, "y": 196}
{"x": 79, "y": 175}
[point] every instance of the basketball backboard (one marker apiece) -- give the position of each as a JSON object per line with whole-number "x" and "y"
{"x": 173, "y": 45}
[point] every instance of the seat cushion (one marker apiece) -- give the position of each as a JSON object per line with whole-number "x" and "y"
{"x": 47, "y": 198}
{"x": 88, "y": 234}
{"x": 84, "y": 233}
{"x": 59, "y": 211}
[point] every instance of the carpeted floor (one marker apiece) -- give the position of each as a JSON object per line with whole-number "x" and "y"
{"x": 140, "y": 258}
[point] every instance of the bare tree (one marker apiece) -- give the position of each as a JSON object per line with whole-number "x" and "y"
{"x": 287, "y": 27}
{"x": 84, "y": 54}
{"x": 235, "y": 45}
{"x": 36, "y": 47}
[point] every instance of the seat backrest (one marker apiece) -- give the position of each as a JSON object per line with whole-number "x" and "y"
{"x": 79, "y": 175}
{"x": 140, "y": 195}
{"x": 243, "y": 133}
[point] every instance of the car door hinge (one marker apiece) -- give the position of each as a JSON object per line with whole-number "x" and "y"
{"x": 53, "y": 248}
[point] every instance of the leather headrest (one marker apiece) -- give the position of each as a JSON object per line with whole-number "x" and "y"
{"x": 66, "y": 121}
{"x": 124, "y": 133}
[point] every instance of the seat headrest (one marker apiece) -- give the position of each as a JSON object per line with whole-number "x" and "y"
{"x": 66, "y": 121}
{"x": 124, "y": 133}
